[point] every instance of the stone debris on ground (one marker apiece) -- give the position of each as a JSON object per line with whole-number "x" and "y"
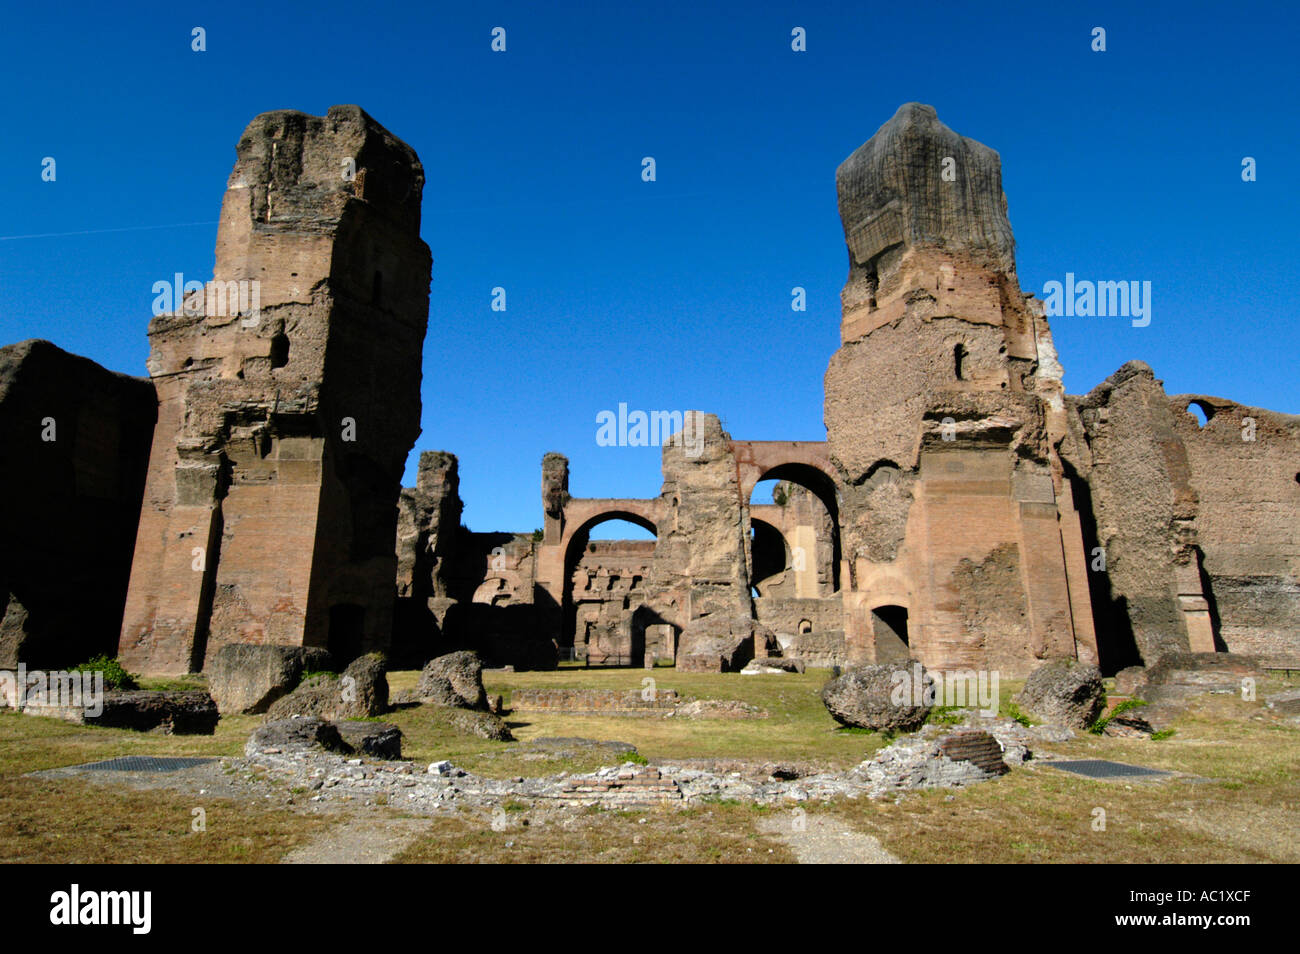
{"x": 920, "y": 760}
{"x": 1065, "y": 692}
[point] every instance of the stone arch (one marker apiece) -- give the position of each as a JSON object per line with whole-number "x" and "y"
{"x": 582, "y": 516}
{"x": 499, "y": 588}
{"x": 812, "y": 476}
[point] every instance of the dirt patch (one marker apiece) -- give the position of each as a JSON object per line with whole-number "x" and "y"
{"x": 359, "y": 841}
{"x": 820, "y": 840}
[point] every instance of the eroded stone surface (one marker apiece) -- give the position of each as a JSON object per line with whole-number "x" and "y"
{"x": 74, "y": 441}
{"x": 247, "y": 678}
{"x": 283, "y": 427}
{"x": 1065, "y": 692}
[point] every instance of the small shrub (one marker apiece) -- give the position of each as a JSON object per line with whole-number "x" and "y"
{"x": 945, "y": 715}
{"x": 1013, "y": 712}
{"x": 1098, "y": 727}
{"x": 1162, "y": 735}
{"x": 636, "y": 758}
{"x": 115, "y": 676}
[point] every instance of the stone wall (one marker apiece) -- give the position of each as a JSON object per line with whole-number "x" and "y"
{"x": 1145, "y": 577}
{"x": 811, "y": 629}
{"x": 595, "y": 701}
{"x": 1245, "y": 466}
{"x": 701, "y": 552}
{"x": 1199, "y": 526}
{"x": 608, "y": 586}
{"x": 74, "y": 446}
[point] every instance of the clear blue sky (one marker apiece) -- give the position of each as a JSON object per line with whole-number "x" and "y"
{"x": 673, "y": 294}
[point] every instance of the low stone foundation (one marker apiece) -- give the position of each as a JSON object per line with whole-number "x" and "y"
{"x": 624, "y": 786}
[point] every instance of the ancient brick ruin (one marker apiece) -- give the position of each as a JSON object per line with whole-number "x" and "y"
{"x": 74, "y": 445}
{"x": 269, "y": 509}
{"x": 963, "y": 510}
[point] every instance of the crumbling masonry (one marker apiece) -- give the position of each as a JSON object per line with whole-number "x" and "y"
{"x": 963, "y": 510}
{"x": 269, "y": 508}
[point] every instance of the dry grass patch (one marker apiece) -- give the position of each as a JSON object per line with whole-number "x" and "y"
{"x": 1244, "y": 805}
{"x": 33, "y": 743}
{"x": 69, "y": 821}
{"x": 712, "y": 834}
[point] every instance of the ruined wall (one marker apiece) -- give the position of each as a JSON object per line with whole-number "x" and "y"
{"x": 1125, "y": 446}
{"x": 798, "y": 602}
{"x": 1245, "y": 466}
{"x": 462, "y": 590}
{"x": 943, "y": 408}
{"x": 608, "y": 587}
{"x": 428, "y": 522}
{"x": 492, "y": 605}
{"x": 701, "y": 550}
{"x": 74, "y": 446}
{"x": 282, "y": 432}
{"x": 807, "y": 556}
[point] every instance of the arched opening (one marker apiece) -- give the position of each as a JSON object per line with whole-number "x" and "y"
{"x": 771, "y": 555}
{"x": 606, "y": 563}
{"x": 619, "y": 529}
{"x": 1201, "y": 411}
{"x": 889, "y": 626}
{"x": 800, "y": 501}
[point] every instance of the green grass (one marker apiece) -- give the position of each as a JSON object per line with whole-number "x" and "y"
{"x": 798, "y": 727}
{"x": 1246, "y": 811}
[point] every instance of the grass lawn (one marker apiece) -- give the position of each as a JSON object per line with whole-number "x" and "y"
{"x": 76, "y": 821}
{"x": 1244, "y": 804}
{"x": 798, "y": 726}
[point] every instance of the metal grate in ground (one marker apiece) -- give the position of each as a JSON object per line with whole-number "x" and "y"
{"x": 1100, "y": 768}
{"x": 140, "y": 763}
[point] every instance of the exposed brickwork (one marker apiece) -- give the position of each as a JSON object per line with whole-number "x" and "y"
{"x": 629, "y": 787}
{"x": 269, "y": 510}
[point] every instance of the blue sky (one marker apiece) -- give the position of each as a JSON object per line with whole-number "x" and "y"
{"x": 673, "y": 294}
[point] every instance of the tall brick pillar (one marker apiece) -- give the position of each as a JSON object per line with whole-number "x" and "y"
{"x": 944, "y": 410}
{"x": 289, "y": 397}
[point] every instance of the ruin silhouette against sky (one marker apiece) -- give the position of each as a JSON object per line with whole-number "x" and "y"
{"x": 673, "y": 294}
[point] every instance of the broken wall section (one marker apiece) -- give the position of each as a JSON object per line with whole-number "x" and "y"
{"x": 74, "y": 448}
{"x": 1245, "y": 466}
{"x": 1132, "y": 477}
{"x": 943, "y": 408}
{"x": 457, "y": 589}
{"x": 700, "y": 560}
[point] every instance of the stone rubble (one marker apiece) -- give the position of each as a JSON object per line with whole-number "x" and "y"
{"x": 912, "y": 762}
